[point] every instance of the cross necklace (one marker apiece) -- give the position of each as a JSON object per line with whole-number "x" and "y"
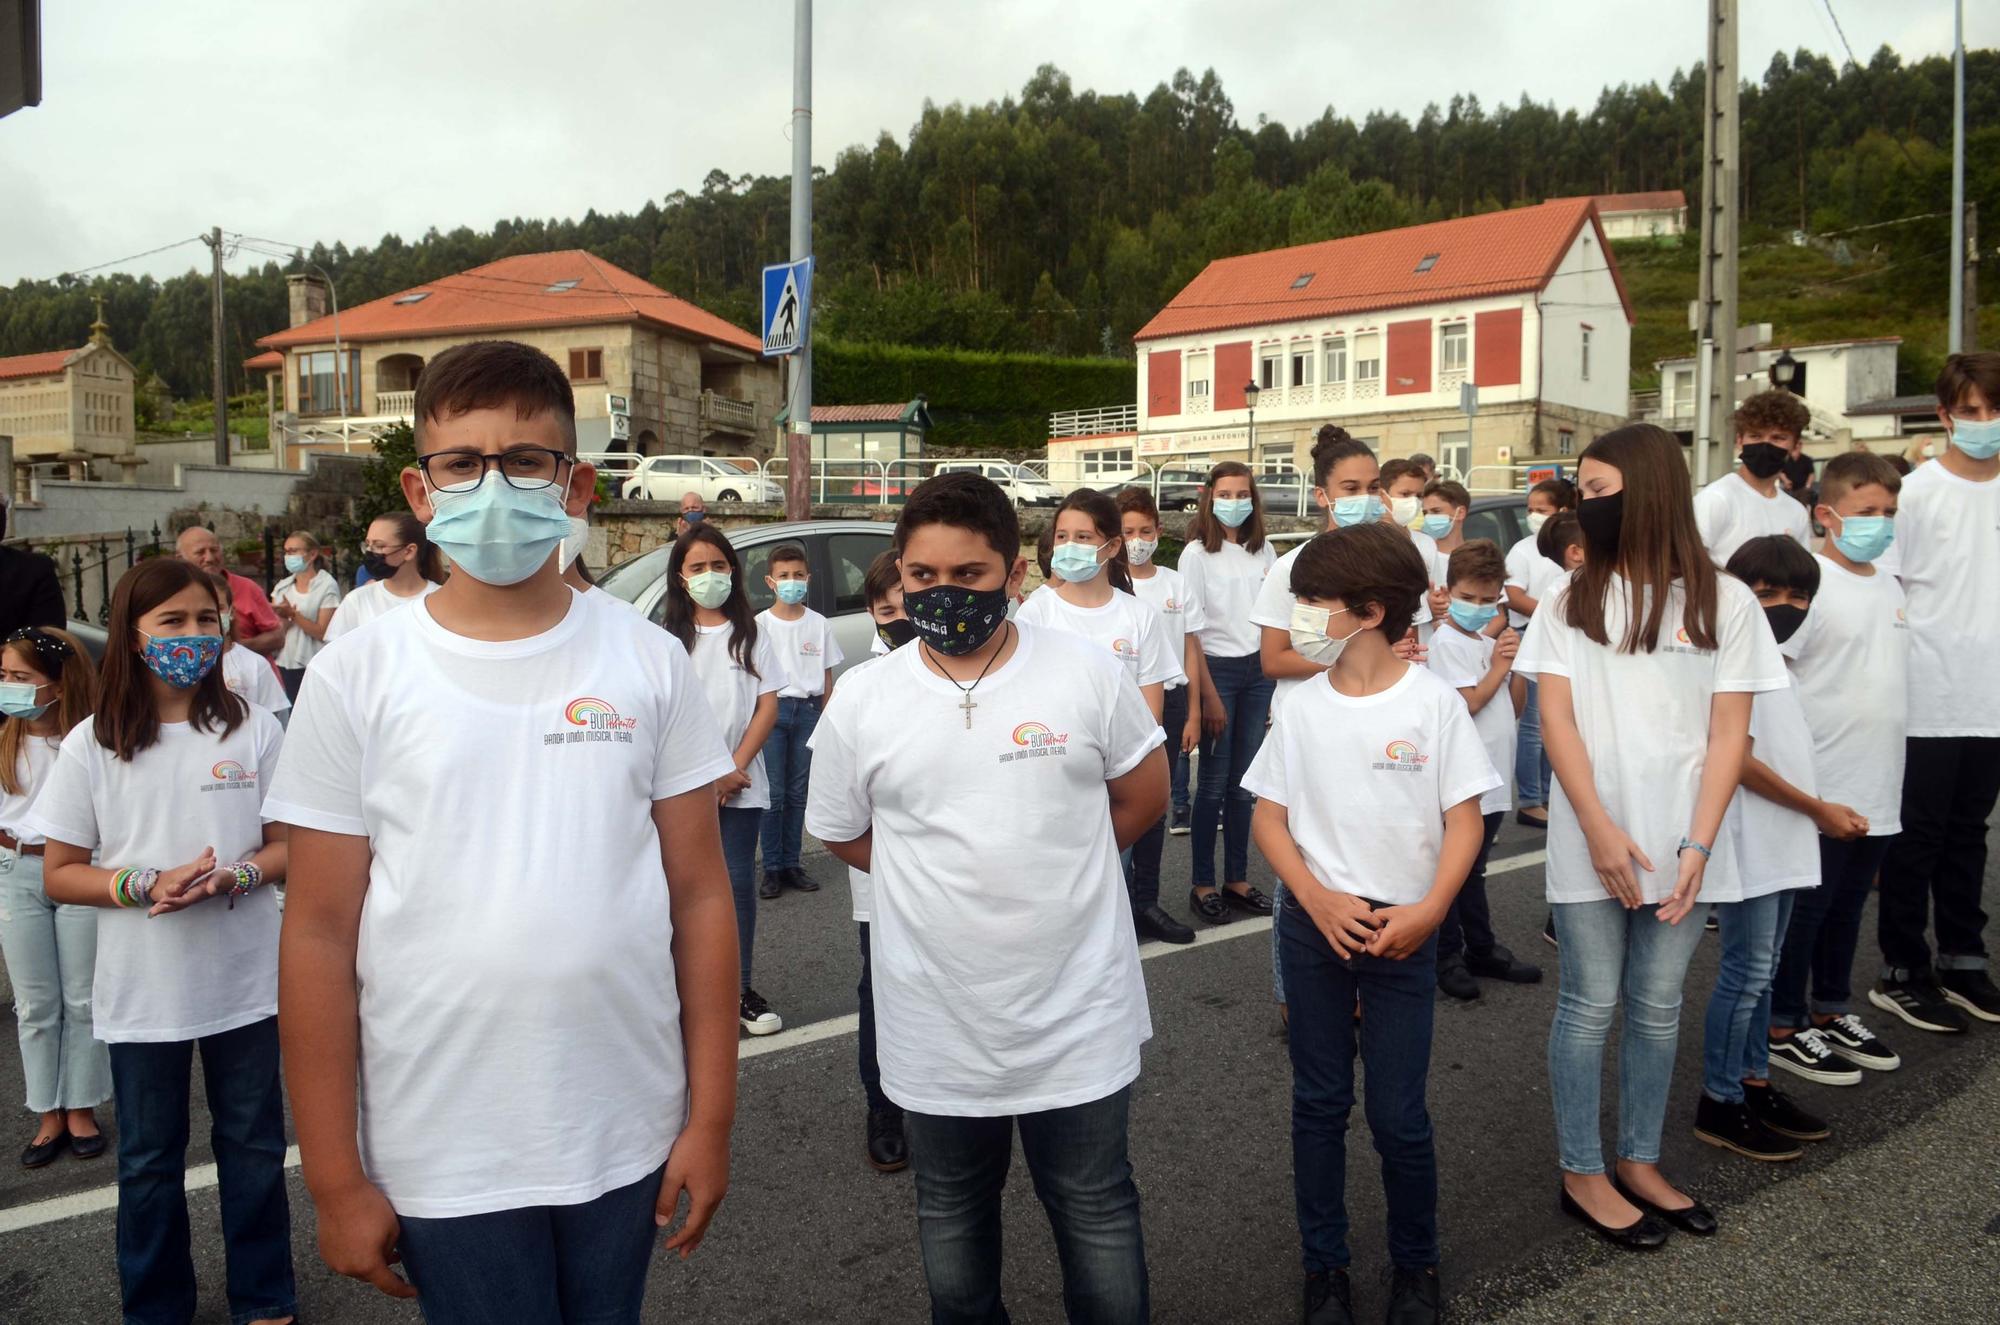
{"x": 966, "y": 703}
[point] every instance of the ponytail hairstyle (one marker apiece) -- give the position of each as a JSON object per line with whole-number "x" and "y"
{"x": 60, "y": 656}
{"x": 126, "y": 722}
{"x": 1103, "y": 513}
{"x": 678, "y": 607}
{"x": 1210, "y": 532}
{"x": 1658, "y": 543}
{"x": 1558, "y": 490}
{"x": 409, "y": 529}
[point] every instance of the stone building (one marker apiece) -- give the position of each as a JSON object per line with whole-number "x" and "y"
{"x": 69, "y": 411}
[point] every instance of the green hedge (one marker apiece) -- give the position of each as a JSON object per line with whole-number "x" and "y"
{"x": 979, "y": 400}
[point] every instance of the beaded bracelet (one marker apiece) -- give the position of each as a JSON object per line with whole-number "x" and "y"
{"x": 248, "y": 876}
{"x": 133, "y": 887}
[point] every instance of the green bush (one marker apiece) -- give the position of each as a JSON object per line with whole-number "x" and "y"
{"x": 382, "y": 481}
{"x": 979, "y": 400}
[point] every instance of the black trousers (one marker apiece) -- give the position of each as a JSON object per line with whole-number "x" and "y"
{"x": 1937, "y": 866}
{"x": 1468, "y": 926}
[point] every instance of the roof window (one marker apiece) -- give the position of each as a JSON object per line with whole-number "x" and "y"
{"x": 416, "y": 297}
{"x": 1430, "y": 260}
{"x": 560, "y": 286}
{"x": 1305, "y": 279}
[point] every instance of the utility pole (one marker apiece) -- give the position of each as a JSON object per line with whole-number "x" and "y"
{"x": 1715, "y": 313}
{"x": 1956, "y": 332}
{"x": 1969, "y": 340}
{"x": 221, "y": 384}
{"x": 798, "y": 415}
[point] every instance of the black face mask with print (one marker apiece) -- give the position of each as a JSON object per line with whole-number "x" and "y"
{"x": 1763, "y": 460}
{"x": 896, "y": 633}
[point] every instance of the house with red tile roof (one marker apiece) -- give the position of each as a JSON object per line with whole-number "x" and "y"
{"x": 1661, "y": 214}
{"x": 1381, "y": 334}
{"x": 72, "y": 406}
{"x": 652, "y": 372}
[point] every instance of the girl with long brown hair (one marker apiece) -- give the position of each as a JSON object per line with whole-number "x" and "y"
{"x": 1646, "y": 660}
{"x": 47, "y": 688}
{"x": 403, "y": 565}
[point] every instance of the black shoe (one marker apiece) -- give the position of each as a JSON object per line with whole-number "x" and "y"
{"x": 1209, "y": 907}
{"x": 1181, "y": 824}
{"x": 1807, "y": 1054}
{"x": 888, "y": 1152}
{"x": 1415, "y": 1297}
{"x": 1643, "y": 1234}
{"x": 1526, "y": 820}
{"x": 1500, "y": 964}
{"x": 1973, "y": 991}
{"x": 1694, "y": 1218}
{"x": 1249, "y": 901}
{"x": 756, "y": 1015}
{"x": 1455, "y": 980}
{"x": 1152, "y": 922}
{"x": 36, "y": 1155}
{"x": 1711, "y": 924}
{"x": 86, "y": 1147}
{"x": 1328, "y": 1300}
{"x": 1549, "y": 931}
{"x": 1919, "y": 1002}
{"x": 1736, "y": 1127}
{"x": 802, "y": 881}
{"x": 1849, "y": 1038}
{"x": 1773, "y": 1108}
{"x": 771, "y": 884}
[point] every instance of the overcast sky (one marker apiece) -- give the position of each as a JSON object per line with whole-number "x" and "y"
{"x": 322, "y": 121}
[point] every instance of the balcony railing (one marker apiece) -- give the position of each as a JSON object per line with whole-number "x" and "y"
{"x": 1111, "y": 419}
{"x": 396, "y": 404}
{"x": 728, "y": 413}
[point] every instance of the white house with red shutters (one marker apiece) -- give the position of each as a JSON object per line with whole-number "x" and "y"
{"x": 1380, "y": 333}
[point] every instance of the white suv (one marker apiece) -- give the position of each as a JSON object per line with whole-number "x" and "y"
{"x": 666, "y": 477}
{"x": 1023, "y": 485}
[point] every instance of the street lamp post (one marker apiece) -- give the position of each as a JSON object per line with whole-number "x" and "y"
{"x": 1250, "y": 393}
{"x": 1784, "y": 370}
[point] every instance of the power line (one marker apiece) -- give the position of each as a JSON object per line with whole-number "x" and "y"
{"x": 117, "y": 262}
{"x": 1862, "y": 75}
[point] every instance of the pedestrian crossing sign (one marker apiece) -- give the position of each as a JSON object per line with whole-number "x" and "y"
{"x": 787, "y": 299}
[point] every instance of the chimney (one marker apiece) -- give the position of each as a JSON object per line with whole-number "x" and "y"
{"x": 307, "y": 295}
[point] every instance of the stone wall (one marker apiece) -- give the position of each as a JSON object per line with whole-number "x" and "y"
{"x": 204, "y": 493}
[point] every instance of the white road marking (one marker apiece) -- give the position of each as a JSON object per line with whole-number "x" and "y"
{"x": 202, "y": 1176}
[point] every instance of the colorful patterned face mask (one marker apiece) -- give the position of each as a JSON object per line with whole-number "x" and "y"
{"x": 181, "y": 660}
{"x": 955, "y": 620}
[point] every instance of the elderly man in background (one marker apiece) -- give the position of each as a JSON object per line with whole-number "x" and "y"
{"x": 30, "y": 593}
{"x": 257, "y": 627}
{"x": 693, "y": 511}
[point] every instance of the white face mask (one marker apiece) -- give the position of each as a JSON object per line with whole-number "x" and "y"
{"x": 1536, "y": 519}
{"x": 1309, "y": 635}
{"x": 572, "y": 544}
{"x": 1139, "y": 551}
{"x": 1406, "y": 511}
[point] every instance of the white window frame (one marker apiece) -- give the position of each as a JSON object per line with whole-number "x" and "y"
{"x": 1109, "y": 462}
{"x": 1454, "y": 452}
{"x": 1299, "y": 369}
{"x": 1565, "y": 441}
{"x": 1333, "y": 350}
{"x": 1454, "y": 335}
{"x": 1196, "y": 374}
{"x": 1198, "y": 387}
{"x": 1368, "y": 369}
{"x": 1271, "y": 368}
{"x": 1680, "y": 395}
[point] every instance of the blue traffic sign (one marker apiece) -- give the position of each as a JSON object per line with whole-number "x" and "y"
{"x": 787, "y": 299}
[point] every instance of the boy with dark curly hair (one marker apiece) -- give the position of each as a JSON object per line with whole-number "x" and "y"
{"x": 1750, "y": 502}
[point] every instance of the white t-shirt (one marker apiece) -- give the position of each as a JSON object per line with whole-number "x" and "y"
{"x": 1006, "y": 967}
{"x": 1275, "y": 601}
{"x": 1128, "y": 628}
{"x": 38, "y": 757}
{"x": 365, "y": 604}
{"x": 320, "y": 593}
{"x": 1460, "y": 660}
{"x": 197, "y": 972}
{"x": 1729, "y": 513}
{"x": 1947, "y": 552}
{"x": 1533, "y": 574}
{"x": 860, "y": 887}
{"x": 1851, "y": 659}
{"x": 520, "y": 1026}
{"x": 1225, "y": 583}
{"x": 1644, "y": 722}
{"x": 248, "y": 674}
{"x": 804, "y": 650}
{"x": 1775, "y": 848}
{"x": 732, "y": 696}
{"x": 1180, "y": 612}
{"x": 1365, "y": 782}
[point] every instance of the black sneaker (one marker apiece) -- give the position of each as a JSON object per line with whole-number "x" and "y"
{"x": 798, "y": 879}
{"x": 1735, "y": 1127}
{"x": 1454, "y": 979}
{"x": 1181, "y": 824}
{"x": 1919, "y": 1002}
{"x": 771, "y": 884}
{"x": 1711, "y": 924}
{"x": 756, "y": 1015}
{"x": 1328, "y": 1300}
{"x": 1973, "y": 991}
{"x": 1414, "y": 1297}
{"x": 1807, "y": 1054}
{"x": 888, "y": 1152}
{"x": 1773, "y": 1108}
{"x": 1851, "y": 1040}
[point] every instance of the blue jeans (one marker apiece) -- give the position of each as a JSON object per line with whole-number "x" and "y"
{"x": 51, "y": 955}
{"x": 1531, "y": 761}
{"x": 739, "y": 853}
{"x": 870, "y": 1065}
{"x": 1736, "y": 1041}
{"x": 1142, "y": 858}
{"x": 1396, "y": 1006}
{"x": 539, "y": 1265}
{"x": 1820, "y": 943}
{"x": 788, "y": 763}
{"x": 1608, "y": 953}
{"x": 1246, "y": 703}
{"x": 1468, "y": 926}
{"x": 150, "y": 1084}
{"x": 1177, "y": 758}
{"x": 1077, "y": 1158}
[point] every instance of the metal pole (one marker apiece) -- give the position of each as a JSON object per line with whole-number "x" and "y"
{"x": 798, "y": 435}
{"x": 220, "y": 388}
{"x": 1716, "y": 311}
{"x": 1704, "y": 369}
{"x": 1970, "y": 285}
{"x": 1956, "y": 331}
{"x": 1250, "y": 444}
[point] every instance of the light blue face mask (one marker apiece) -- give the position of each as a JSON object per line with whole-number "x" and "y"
{"x": 790, "y": 592}
{"x": 17, "y": 700}
{"x": 1865, "y": 537}
{"x": 1077, "y": 563}
{"x": 1472, "y": 616}
{"x": 294, "y": 563}
{"x": 498, "y": 533}
{"x": 710, "y": 588}
{"x": 1233, "y": 511}
{"x": 1978, "y": 438}
{"x": 1357, "y": 510}
{"x": 1437, "y": 526}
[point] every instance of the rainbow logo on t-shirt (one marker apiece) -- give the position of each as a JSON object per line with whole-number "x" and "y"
{"x": 228, "y": 771}
{"x": 1028, "y": 732}
{"x": 1039, "y": 742}
{"x": 1123, "y": 648}
{"x": 581, "y": 711}
{"x": 1682, "y": 635}
{"x": 1402, "y": 752}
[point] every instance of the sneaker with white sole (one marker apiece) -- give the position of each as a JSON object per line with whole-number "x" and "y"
{"x": 1919, "y": 1002}
{"x": 1973, "y": 991}
{"x": 1852, "y": 1040}
{"x": 756, "y": 1015}
{"x": 1807, "y": 1054}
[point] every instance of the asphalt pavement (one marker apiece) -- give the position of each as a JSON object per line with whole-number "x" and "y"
{"x": 1896, "y": 1218}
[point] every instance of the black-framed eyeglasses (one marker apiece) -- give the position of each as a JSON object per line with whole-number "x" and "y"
{"x": 525, "y": 467}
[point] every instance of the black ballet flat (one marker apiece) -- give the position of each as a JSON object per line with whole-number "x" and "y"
{"x": 86, "y": 1147}
{"x": 1643, "y": 1234}
{"x": 1696, "y": 1219}
{"x": 38, "y": 1155}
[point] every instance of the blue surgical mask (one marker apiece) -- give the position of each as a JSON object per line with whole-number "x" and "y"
{"x": 1865, "y": 537}
{"x": 181, "y": 660}
{"x": 498, "y": 533}
{"x": 710, "y": 588}
{"x": 1078, "y": 563}
{"x": 1473, "y": 616}
{"x": 1233, "y": 511}
{"x": 17, "y": 700}
{"x": 1437, "y": 526}
{"x": 294, "y": 563}
{"x": 1357, "y": 510}
{"x": 790, "y": 592}
{"x": 1978, "y": 438}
